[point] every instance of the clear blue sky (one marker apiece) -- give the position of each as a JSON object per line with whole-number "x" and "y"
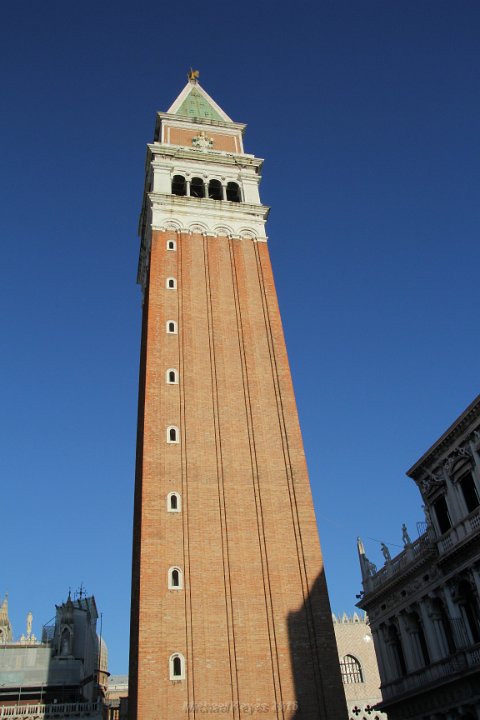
{"x": 368, "y": 116}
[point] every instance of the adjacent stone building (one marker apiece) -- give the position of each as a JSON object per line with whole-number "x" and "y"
{"x": 64, "y": 674}
{"x": 116, "y": 700}
{"x": 423, "y": 605}
{"x": 358, "y": 666}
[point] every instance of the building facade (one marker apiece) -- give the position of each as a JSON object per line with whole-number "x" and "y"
{"x": 424, "y": 604}
{"x": 63, "y": 674}
{"x": 116, "y": 699}
{"x": 230, "y": 612}
{"x": 358, "y": 666}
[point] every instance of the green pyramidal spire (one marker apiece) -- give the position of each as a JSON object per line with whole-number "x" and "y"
{"x": 196, "y": 105}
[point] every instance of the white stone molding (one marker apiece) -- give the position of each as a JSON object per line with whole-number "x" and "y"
{"x": 198, "y": 228}
{"x": 172, "y": 225}
{"x": 247, "y": 234}
{"x": 181, "y": 213}
{"x": 202, "y": 141}
{"x": 222, "y": 230}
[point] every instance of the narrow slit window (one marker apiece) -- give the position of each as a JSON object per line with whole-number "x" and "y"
{"x": 173, "y": 435}
{"x": 171, "y": 327}
{"x": 171, "y": 283}
{"x": 175, "y": 579}
{"x": 174, "y": 502}
{"x": 172, "y": 376}
{"x": 177, "y": 667}
{"x": 171, "y": 245}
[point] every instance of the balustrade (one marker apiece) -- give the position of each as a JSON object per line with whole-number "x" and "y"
{"x": 450, "y": 666}
{"x": 51, "y": 711}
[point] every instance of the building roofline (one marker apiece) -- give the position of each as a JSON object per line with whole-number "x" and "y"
{"x": 455, "y": 429}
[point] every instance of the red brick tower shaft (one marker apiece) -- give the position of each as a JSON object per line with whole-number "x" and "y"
{"x": 230, "y": 612}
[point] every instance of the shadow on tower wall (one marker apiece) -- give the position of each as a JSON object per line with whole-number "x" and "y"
{"x": 313, "y": 652}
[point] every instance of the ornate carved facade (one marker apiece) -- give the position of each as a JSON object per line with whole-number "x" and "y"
{"x": 424, "y": 604}
{"x": 63, "y": 675}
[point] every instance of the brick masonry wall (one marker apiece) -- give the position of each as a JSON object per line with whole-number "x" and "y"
{"x": 253, "y": 620}
{"x": 221, "y": 141}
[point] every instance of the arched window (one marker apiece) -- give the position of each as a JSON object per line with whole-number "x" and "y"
{"x": 177, "y": 667}
{"x": 233, "y": 192}
{"x": 215, "y": 190}
{"x": 174, "y": 502}
{"x": 175, "y": 578}
{"x": 171, "y": 283}
{"x": 179, "y": 185}
{"x": 172, "y": 376}
{"x": 173, "y": 436}
{"x": 197, "y": 188}
{"x": 171, "y": 327}
{"x": 351, "y": 670}
{"x": 171, "y": 245}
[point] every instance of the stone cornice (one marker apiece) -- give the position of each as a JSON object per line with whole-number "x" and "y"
{"x": 185, "y": 120}
{"x": 180, "y": 152}
{"x": 200, "y": 206}
{"x": 449, "y": 437}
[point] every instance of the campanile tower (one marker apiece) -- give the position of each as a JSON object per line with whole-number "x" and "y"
{"x": 230, "y": 612}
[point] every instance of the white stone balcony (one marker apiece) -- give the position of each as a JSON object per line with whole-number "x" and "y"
{"x": 456, "y": 535}
{"x": 52, "y": 711}
{"x": 455, "y": 665}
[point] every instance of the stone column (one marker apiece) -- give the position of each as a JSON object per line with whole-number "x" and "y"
{"x": 407, "y": 644}
{"x": 458, "y": 626}
{"x": 476, "y": 577}
{"x": 391, "y": 661}
{"x": 430, "y": 631}
{"x": 381, "y": 653}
